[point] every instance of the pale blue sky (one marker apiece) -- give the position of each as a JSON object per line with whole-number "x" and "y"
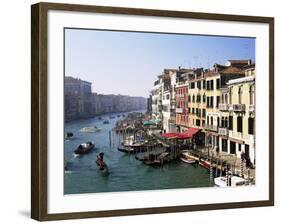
{"x": 128, "y": 62}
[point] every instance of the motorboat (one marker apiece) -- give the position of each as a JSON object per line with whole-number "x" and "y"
{"x": 154, "y": 160}
{"x": 126, "y": 149}
{"x": 90, "y": 129}
{"x": 106, "y": 122}
{"x": 187, "y": 158}
{"x": 230, "y": 181}
{"x": 84, "y": 148}
{"x": 68, "y": 135}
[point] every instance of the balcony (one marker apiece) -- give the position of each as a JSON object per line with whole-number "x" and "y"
{"x": 179, "y": 110}
{"x": 237, "y": 107}
{"x": 223, "y": 107}
{"x": 211, "y": 127}
{"x": 223, "y": 131}
{"x": 252, "y": 108}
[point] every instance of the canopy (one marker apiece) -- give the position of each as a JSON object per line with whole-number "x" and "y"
{"x": 170, "y": 135}
{"x": 148, "y": 123}
{"x": 187, "y": 134}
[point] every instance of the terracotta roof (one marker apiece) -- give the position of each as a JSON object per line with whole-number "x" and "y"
{"x": 240, "y": 61}
{"x": 232, "y": 70}
{"x": 253, "y": 65}
{"x": 211, "y": 73}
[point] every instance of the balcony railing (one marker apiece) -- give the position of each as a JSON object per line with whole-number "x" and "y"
{"x": 180, "y": 95}
{"x": 223, "y": 107}
{"x": 251, "y": 108}
{"x": 237, "y": 107}
{"x": 211, "y": 127}
{"x": 223, "y": 131}
{"x": 179, "y": 110}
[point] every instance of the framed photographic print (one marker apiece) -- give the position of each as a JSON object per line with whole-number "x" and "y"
{"x": 140, "y": 111}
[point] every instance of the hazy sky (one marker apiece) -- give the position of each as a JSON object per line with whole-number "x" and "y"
{"x": 129, "y": 62}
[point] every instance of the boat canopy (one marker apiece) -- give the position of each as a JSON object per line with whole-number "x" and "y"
{"x": 148, "y": 123}
{"x": 185, "y": 135}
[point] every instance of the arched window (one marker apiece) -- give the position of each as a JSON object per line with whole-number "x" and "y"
{"x": 252, "y": 95}
{"x": 240, "y": 95}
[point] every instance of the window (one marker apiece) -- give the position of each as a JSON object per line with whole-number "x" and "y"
{"x": 204, "y": 84}
{"x": 204, "y": 112}
{"x": 197, "y": 122}
{"x": 239, "y": 124}
{"x": 189, "y": 98}
{"x": 192, "y": 85}
{"x": 239, "y": 147}
{"x": 193, "y": 98}
{"x": 204, "y": 98}
{"x": 199, "y": 84}
{"x": 224, "y": 145}
{"x": 211, "y": 120}
{"x": 251, "y": 125}
{"x": 218, "y": 83}
{"x": 192, "y": 110}
{"x": 230, "y": 95}
{"x": 211, "y": 101}
{"x": 218, "y": 121}
{"x": 168, "y": 96}
{"x": 218, "y": 101}
{"x": 212, "y": 85}
{"x": 198, "y": 98}
{"x": 252, "y": 97}
{"x": 240, "y": 95}
{"x": 232, "y": 147}
{"x": 230, "y": 125}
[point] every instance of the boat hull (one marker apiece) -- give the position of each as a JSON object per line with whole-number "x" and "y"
{"x": 189, "y": 161}
{"x": 81, "y": 151}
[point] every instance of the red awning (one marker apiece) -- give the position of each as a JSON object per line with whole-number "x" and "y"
{"x": 187, "y": 134}
{"x": 170, "y": 135}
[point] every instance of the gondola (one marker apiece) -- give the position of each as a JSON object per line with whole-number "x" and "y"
{"x": 125, "y": 149}
{"x": 84, "y": 148}
{"x": 103, "y": 168}
{"x": 106, "y": 122}
{"x": 68, "y": 135}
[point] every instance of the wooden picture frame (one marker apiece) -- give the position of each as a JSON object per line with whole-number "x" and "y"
{"x": 39, "y": 108}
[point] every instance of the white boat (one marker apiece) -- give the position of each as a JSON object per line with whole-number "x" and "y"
{"x": 188, "y": 160}
{"x": 90, "y": 129}
{"x": 230, "y": 181}
{"x": 187, "y": 157}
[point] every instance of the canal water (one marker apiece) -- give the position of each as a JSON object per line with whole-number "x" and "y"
{"x": 125, "y": 172}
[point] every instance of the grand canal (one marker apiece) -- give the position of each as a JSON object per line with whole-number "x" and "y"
{"x": 125, "y": 172}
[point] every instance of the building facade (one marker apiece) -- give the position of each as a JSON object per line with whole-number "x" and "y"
{"x": 241, "y": 119}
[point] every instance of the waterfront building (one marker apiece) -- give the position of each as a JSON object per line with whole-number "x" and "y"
{"x": 197, "y": 99}
{"x": 237, "y": 128}
{"x": 169, "y": 79}
{"x": 149, "y": 105}
{"x": 156, "y": 95}
{"x": 181, "y": 89}
{"x": 216, "y": 82}
{"x": 77, "y": 100}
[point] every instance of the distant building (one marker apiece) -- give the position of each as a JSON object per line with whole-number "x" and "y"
{"x": 77, "y": 94}
{"x": 149, "y": 104}
{"x": 80, "y": 102}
